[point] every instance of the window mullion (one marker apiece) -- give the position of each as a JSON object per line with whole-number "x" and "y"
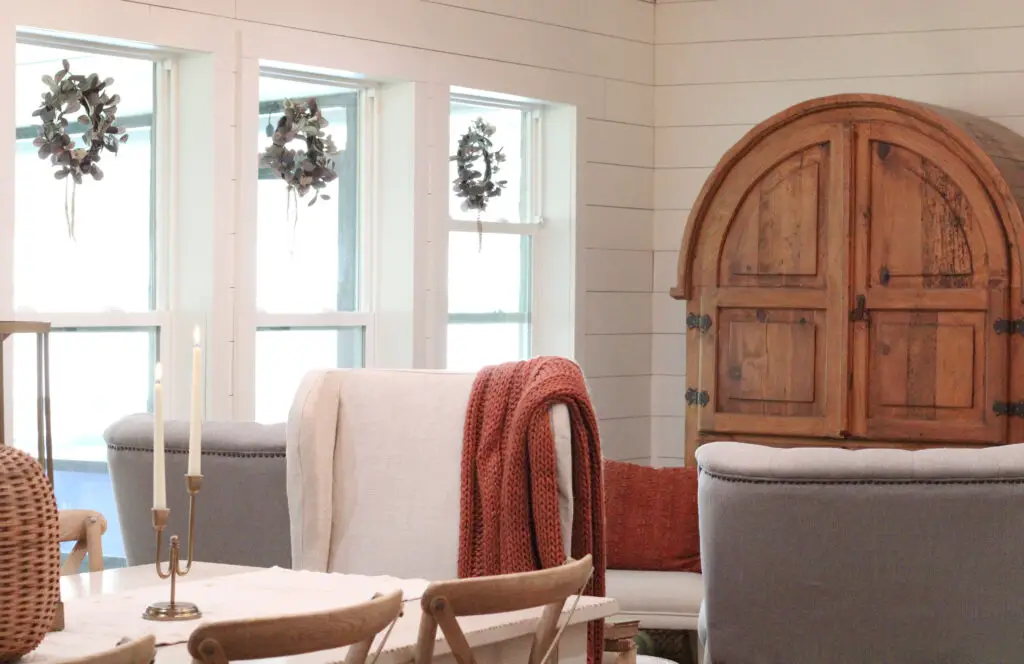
{"x": 496, "y": 227}
{"x": 520, "y": 317}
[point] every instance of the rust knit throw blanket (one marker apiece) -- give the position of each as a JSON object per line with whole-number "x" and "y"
{"x": 509, "y": 518}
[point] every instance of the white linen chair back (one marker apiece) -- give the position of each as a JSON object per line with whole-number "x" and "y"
{"x": 374, "y": 461}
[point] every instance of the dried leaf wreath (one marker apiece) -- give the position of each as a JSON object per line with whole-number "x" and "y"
{"x": 66, "y": 95}
{"x": 306, "y": 169}
{"x": 470, "y": 184}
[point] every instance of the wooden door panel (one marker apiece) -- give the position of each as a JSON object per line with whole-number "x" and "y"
{"x": 928, "y": 368}
{"x": 769, "y": 362}
{"x": 924, "y": 362}
{"x": 771, "y": 369}
{"x": 777, "y": 235}
{"x": 920, "y": 223}
{"x": 927, "y": 363}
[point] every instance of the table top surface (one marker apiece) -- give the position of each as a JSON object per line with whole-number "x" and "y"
{"x": 480, "y": 630}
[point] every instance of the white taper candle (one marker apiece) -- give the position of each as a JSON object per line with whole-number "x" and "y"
{"x": 195, "y": 432}
{"x": 159, "y": 470}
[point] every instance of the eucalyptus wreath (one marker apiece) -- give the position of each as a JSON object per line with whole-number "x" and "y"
{"x": 475, "y": 187}
{"x": 303, "y": 170}
{"x": 66, "y": 95}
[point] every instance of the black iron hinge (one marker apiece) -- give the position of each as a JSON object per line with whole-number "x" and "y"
{"x": 698, "y": 322}
{"x": 697, "y": 397}
{"x": 1009, "y": 408}
{"x": 1007, "y": 326}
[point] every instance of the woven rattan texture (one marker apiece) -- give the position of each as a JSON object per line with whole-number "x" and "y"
{"x": 29, "y": 554}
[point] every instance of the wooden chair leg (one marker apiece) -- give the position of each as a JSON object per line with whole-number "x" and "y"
{"x": 358, "y": 652}
{"x": 73, "y": 564}
{"x": 546, "y": 632}
{"x": 453, "y": 634}
{"x": 425, "y": 642}
{"x": 94, "y": 544}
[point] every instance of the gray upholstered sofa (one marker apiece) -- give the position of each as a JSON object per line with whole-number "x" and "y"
{"x": 243, "y": 485}
{"x": 846, "y": 557}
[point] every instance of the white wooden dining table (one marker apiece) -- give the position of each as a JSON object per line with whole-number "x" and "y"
{"x": 92, "y": 601}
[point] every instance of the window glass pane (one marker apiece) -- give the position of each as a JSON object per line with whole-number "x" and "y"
{"x": 472, "y": 346}
{"x": 96, "y": 377}
{"x": 488, "y": 279}
{"x": 508, "y": 137}
{"x": 109, "y": 265}
{"x": 284, "y": 356}
{"x": 307, "y": 257}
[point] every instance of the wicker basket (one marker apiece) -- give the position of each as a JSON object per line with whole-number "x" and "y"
{"x": 29, "y": 554}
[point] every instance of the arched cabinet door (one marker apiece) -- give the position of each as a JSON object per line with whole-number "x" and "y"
{"x": 773, "y": 288}
{"x": 930, "y": 279}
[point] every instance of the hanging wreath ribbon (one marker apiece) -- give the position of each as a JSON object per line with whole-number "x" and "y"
{"x": 303, "y": 170}
{"x": 66, "y": 95}
{"x": 476, "y": 188}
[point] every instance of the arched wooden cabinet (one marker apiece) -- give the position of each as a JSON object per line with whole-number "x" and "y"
{"x": 852, "y": 272}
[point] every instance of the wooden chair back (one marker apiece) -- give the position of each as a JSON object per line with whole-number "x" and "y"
{"x": 263, "y": 638}
{"x": 85, "y": 528}
{"x": 139, "y": 651}
{"x": 443, "y": 602}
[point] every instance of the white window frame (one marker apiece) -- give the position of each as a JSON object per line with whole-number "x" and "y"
{"x": 158, "y": 319}
{"x": 363, "y": 317}
{"x": 531, "y": 224}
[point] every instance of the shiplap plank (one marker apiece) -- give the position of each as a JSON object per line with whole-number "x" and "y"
{"x": 616, "y": 228}
{"x": 618, "y": 271}
{"x": 855, "y": 56}
{"x": 664, "y": 270}
{"x": 668, "y": 229}
{"x": 627, "y": 20}
{"x": 677, "y": 188}
{"x": 689, "y": 147}
{"x": 667, "y": 436}
{"x": 216, "y": 7}
{"x": 668, "y": 354}
{"x": 990, "y": 95}
{"x": 626, "y": 439}
{"x": 668, "y": 316}
{"x": 617, "y": 143}
{"x": 667, "y": 396}
{"x": 619, "y": 313}
{"x": 622, "y": 396}
{"x": 618, "y": 355}
{"x": 757, "y": 19}
{"x": 629, "y": 102}
{"x": 619, "y": 186}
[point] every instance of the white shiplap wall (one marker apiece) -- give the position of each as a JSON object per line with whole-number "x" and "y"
{"x": 595, "y": 54}
{"x": 721, "y": 66}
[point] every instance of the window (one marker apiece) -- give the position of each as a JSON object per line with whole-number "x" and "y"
{"x": 309, "y": 288}
{"x": 100, "y": 290}
{"x": 490, "y": 257}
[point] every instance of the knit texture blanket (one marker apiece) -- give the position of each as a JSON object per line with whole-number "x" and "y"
{"x": 509, "y": 518}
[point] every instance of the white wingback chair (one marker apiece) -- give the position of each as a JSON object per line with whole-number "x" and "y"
{"x": 374, "y": 462}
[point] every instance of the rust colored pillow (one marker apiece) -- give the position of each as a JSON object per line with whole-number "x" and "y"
{"x": 651, "y": 518}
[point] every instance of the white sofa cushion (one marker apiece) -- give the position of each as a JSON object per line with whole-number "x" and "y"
{"x": 374, "y": 471}
{"x": 659, "y": 600}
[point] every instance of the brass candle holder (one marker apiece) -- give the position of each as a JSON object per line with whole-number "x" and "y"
{"x": 175, "y": 610}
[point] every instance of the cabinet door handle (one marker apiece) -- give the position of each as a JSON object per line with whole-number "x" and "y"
{"x": 860, "y": 312}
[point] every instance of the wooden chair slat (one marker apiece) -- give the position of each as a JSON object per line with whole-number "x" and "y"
{"x": 262, "y": 638}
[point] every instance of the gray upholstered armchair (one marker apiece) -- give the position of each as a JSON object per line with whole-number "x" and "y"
{"x": 242, "y": 510}
{"x": 838, "y": 556}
